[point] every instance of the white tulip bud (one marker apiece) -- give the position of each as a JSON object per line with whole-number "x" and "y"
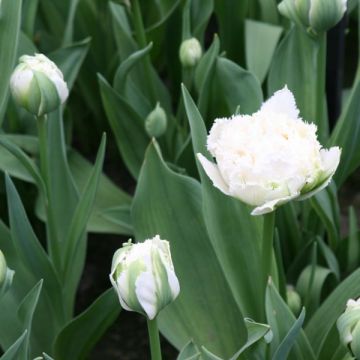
{"x": 270, "y": 157}
{"x": 348, "y": 325}
{"x": 38, "y": 85}
{"x": 156, "y": 122}
{"x": 3, "y": 268}
{"x": 143, "y": 276}
{"x": 293, "y": 300}
{"x": 190, "y": 52}
{"x": 316, "y": 16}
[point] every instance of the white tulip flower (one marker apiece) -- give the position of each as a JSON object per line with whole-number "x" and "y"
{"x": 190, "y": 52}
{"x": 315, "y": 15}
{"x": 270, "y": 157}
{"x": 348, "y": 325}
{"x": 38, "y": 85}
{"x": 143, "y": 276}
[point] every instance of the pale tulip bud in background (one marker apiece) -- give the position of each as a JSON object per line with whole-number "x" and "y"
{"x": 143, "y": 276}
{"x": 316, "y": 16}
{"x": 293, "y": 300}
{"x": 3, "y": 268}
{"x": 348, "y": 325}
{"x": 190, "y": 52}
{"x": 270, "y": 157}
{"x": 156, "y": 122}
{"x": 38, "y": 85}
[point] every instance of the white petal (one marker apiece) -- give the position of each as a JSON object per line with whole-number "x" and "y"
{"x": 62, "y": 89}
{"x": 271, "y": 205}
{"x": 212, "y": 171}
{"x": 145, "y": 289}
{"x": 282, "y": 101}
{"x": 173, "y": 283}
{"x": 330, "y": 159}
{"x": 121, "y": 286}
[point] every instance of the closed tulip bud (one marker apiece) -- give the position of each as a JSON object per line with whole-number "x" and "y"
{"x": 190, "y": 52}
{"x": 38, "y": 85}
{"x": 3, "y": 268}
{"x": 156, "y": 122}
{"x": 293, "y": 300}
{"x": 143, "y": 276}
{"x": 348, "y": 325}
{"x": 258, "y": 157}
{"x": 315, "y": 15}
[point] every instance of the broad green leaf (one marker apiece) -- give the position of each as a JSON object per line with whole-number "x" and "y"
{"x": 29, "y": 11}
{"x": 63, "y": 195}
{"x": 269, "y": 12}
{"x": 324, "y": 319}
{"x": 14, "y": 350}
{"x": 236, "y": 243}
{"x": 127, "y": 125}
{"x": 260, "y": 43}
{"x": 189, "y": 352}
{"x": 30, "y": 250}
{"x": 234, "y": 86}
{"x": 288, "y": 342}
{"x": 256, "y": 331}
{"x": 323, "y": 203}
{"x": 69, "y": 28}
{"x": 78, "y": 337}
{"x": 353, "y": 252}
{"x": 294, "y": 64}
{"x": 74, "y": 246}
{"x": 282, "y": 320}
{"x": 169, "y": 204}
{"x": 26, "y": 313}
{"x": 10, "y": 20}
{"x": 200, "y": 15}
{"x": 208, "y": 355}
{"x": 310, "y": 284}
{"x": 330, "y": 258}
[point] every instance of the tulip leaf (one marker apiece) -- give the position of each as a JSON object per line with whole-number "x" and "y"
{"x": 294, "y": 65}
{"x": 10, "y": 20}
{"x": 208, "y": 355}
{"x": 78, "y": 337}
{"x": 324, "y": 320}
{"x": 189, "y": 352}
{"x": 173, "y": 210}
{"x": 127, "y": 125}
{"x": 74, "y": 246}
{"x": 30, "y": 250}
{"x": 284, "y": 327}
{"x": 288, "y": 342}
{"x": 256, "y": 331}
{"x": 26, "y": 313}
{"x": 260, "y": 41}
{"x": 222, "y": 214}
{"x": 15, "y": 349}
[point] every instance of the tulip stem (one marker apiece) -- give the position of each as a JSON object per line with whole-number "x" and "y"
{"x": 42, "y": 131}
{"x": 154, "y": 339}
{"x": 267, "y": 249}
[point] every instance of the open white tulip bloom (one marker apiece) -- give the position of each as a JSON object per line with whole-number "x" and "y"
{"x": 38, "y": 85}
{"x": 270, "y": 157}
{"x": 348, "y": 325}
{"x": 143, "y": 276}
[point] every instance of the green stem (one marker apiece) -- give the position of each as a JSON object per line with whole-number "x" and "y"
{"x": 267, "y": 250}
{"x": 154, "y": 339}
{"x": 142, "y": 42}
{"x": 52, "y": 244}
{"x": 320, "y": 87}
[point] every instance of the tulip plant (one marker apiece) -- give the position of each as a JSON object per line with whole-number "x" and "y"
{"x": 216, "y": 114}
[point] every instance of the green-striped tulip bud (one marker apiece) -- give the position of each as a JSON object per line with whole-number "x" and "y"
{"x": 293, "y": 300}
{"x": 348, "y": 325}
{"x": 3, "y": 268}
{"x": 190, "y": 52}
{"x": 316, "y": 16}
{"x": 38, "y": 85}
{"x": 143, "y": 276}
{"x": 156, "y": 122}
